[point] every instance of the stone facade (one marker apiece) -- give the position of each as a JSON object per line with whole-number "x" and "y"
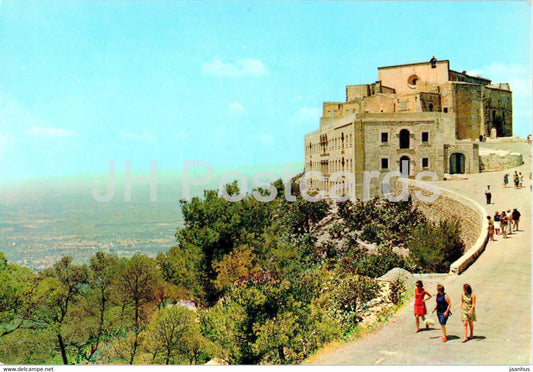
{"x": 416, "y": 117}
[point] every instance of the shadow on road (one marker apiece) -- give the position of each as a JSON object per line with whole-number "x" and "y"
{"x": 477, "y": 338}
{"x": 452, "y": 337}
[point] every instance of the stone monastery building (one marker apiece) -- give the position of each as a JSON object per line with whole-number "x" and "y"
{"x": 416, "y": 117}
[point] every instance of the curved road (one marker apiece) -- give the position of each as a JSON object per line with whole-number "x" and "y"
{"x": 500, "y": 278}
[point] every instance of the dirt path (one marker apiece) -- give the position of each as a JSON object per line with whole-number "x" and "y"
{"x": 501, "y": 280}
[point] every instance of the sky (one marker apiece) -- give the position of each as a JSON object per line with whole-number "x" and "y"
{"x": 230, "y": 83}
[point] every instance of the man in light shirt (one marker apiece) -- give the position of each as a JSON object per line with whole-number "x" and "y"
{"x": 488, "y": 194}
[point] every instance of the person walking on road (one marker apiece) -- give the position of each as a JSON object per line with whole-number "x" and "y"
{"x": 509, "y": 222}
{"x": 443, "y": 307}
{"x": 504, "y": 222}
{"x": 497, "y": 223}
{"x": 516, "y": 180}
{"x": 520, "y": 180}
{"x": 468, "y": 310}
{"x": 515, "y": 215}
{"x": 491, "y": 232}
{"x": 488, "y": 194}
{"x": 421, "y": 296}
{"x": 506, "y": 180}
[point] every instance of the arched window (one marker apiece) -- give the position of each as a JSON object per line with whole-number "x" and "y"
{"x": 413, "y": 79}
{"x": 404, "y": 139}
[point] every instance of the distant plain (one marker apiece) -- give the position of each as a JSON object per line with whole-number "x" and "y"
{"x": 42, "y": 220}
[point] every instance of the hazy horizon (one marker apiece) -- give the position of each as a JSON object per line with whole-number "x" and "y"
{"x": 44, "y": 219}
{"x": 224, "y": 82}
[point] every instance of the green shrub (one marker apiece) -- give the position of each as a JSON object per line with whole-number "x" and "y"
{"x": 347, "y": 295}
{"x": 376, "y": 265}
{"x": 380, "y": 220}
{"x": 359, "y": 261}
{"x": 397, "y": 289}
{"x": 434, "y": 247}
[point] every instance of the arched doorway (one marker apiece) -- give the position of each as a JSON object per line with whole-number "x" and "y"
{"x": 457, "y": 163}
{"x": 497, "y": 122}
{"x": 404, "y": 166}
{"x": 404, "y": 139}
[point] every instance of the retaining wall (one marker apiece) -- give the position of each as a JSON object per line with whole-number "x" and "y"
{"x": 472, "y": 217}
{"x": 494, "y": 160}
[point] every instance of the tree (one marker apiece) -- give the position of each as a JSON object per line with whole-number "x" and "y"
{"x": 58, "y": 289}
{"x": 234, "y": 267}
{"x": 214, "y": 227}
{"x": 434, "y": 247}
{"x": 224, "y": 325}
{"x": 16, "y": 284}
{"x": 182, "y": 267}
{"x": 89, "y": 321}
{"x": 302, "y": 214}
{"x": 28, "y": 346}
{"x": 276, "y": 335}
{"x": 139, "y": 275}
{"x": 173, "y": 333}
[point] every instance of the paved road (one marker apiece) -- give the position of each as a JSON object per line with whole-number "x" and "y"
{"x": 501, "y": 280}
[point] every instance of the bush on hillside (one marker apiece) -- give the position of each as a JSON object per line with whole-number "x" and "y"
{"x": 397, "y": 289}
{"x": 434, "y": 247}
{"x": 347, "y": 295}
{"x": 374, "y": 265}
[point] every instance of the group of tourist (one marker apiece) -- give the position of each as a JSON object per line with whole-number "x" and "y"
{"x": 443, "y": 307}
{"x": 503, "y": 223}
{"x": 518, "y": 180}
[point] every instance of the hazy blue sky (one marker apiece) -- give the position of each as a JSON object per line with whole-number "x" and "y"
{"x": 84, "y": 82}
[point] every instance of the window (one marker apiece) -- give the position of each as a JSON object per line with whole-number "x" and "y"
{"x": 403, "y": 105}
{"x": 425, "y": 162}
{"x": 404, "y": 139}
{"x": 425, "y": 136}
{"x": 384, "y": 163}
{"x": 412, "y": 81}
{"x": 384, "y": 137}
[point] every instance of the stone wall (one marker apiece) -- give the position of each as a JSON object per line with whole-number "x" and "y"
{"x": 398, "y": 77}
{"x": 469, "y": 149}
{"x": 498, "y": 111}
{"x": 467, "y": 100}
{"x": 445, "y": 207}
{"x": 472, "y": 217}
{"x": 379, "y": 103}
{"x": 438, "y": 126}
{"x": 493, "y": 160}
{"x": 365, "y": 90}
{"x": 357, "y": 91}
